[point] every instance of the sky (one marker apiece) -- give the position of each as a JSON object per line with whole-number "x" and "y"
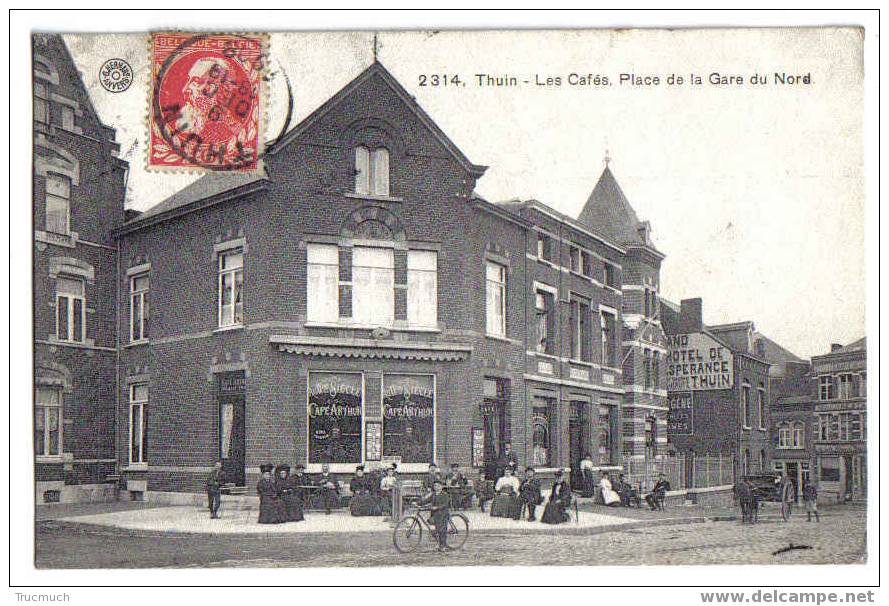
{"x": 755, "y": 193}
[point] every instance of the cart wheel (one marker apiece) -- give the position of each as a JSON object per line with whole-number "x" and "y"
{"x": 458, "y": 530}
{"x": 787, "y": 501}
{"x": 407, "y": 534}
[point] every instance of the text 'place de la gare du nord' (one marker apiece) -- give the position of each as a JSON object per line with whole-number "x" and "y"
{"x": 358, "y": 303}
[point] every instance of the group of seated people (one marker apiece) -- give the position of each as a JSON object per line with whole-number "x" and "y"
{"x": 613, "y": 490}
{"x": 514, "y": 496}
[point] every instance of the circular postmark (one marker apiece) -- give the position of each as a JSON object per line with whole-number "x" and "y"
{"x": 116, "y": 75}
{"x": 207, "y": 101}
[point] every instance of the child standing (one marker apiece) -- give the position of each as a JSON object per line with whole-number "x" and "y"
{"x": 440, "y": 507}
{"x": 810, "y": 496}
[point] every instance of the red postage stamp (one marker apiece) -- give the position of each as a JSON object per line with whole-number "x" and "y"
{"x": 206, "y": 111}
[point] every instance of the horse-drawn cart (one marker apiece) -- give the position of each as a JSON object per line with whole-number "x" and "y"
{"x": 773, "y": 488}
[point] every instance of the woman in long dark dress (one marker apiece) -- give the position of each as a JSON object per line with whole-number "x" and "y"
{"x": 559, "y": 500}
{"x": 506, "y": 503}
{"x": 289, "y": 494}
{"x": 269, "y": 503}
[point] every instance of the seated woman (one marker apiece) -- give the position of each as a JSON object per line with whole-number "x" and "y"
{"x": 609, "y": 496}
{"x": 270, "y": 506}
{"x": 459, "y": 488}
{"x": 560, "y": 497}
{"x": 507, "y": 503}
{"x": 290, "y": 494}
{"x": 588, "y": 479}
{"x": 363, "y": 502}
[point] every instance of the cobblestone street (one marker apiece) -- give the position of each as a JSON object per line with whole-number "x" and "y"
{"x": 838, "y": 539}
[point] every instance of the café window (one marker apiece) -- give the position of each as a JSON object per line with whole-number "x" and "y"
{"x": 545, "y": 320}
{"x": 372, "y": 171}
{"x": 58, "y": 204}
{"x": 581, "y": 338}
{"x": 422, "y": 288}
{"x": 825, "y": 387}
{"x": 48, "y": 422}
{"x": 138, "y": 419}
{"x": 609, "y": 352}
{"x": 322, "y": 300}
{"x": 70, "y": 309}
{"x": 335, "y": 411}
{"x": 139, "y": 307}
{"x": 541, "y": 432}
{"x": 495, "y": 299}
{"x": 373, "y": 286}
{"x": 231, "y": 288}
{"x": 409, "y": 417}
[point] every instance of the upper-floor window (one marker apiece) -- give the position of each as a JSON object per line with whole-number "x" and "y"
{"x": 372, "y": 171}
{"x": 862, "y": 385}
{"x": 41, "y": 110}
{"x": 581, "y": 333}
{"x": 784, "y": 437}
{"x": 823, "y": 427}
{"x": 844, "y": 388}
{"x": 544, "y": 247}
{"x": 586, "y": 264}
{"x": 798, "y": 438}
{"x": 745, "y": 406}
{"x": 231, "y": 288}
{"x": 545, "y": 317}
{"x": 139, "y": 307}
{"x": 651, "y": 306}
{"x": 322, "y": 301}
{"x": 761, "y": 405}
{"x": 373, "y": 286}
{"x": 67, "y": 117}
{"x": 58, "y": 203}
{"x": 825, "y": 387}
{"x": 646, "y": 367}
{"x": 495, "y": 299}
{"x": 575, "y": 259}
{"x": 656, "y": 369}
{"x": 609, "y": 351}
{"x": 609, "y": 276}
{"x": 48, "y": 422}
{"x": 70, "y": 309}
{"x": 422, "y": 288}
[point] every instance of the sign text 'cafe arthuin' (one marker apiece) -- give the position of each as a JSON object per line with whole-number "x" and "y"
{"x": 698, "y": 362}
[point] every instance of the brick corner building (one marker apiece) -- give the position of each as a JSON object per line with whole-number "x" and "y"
{"x": 78, "y": 194}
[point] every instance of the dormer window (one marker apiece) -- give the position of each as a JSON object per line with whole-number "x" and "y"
{"x": 372, "y": 171}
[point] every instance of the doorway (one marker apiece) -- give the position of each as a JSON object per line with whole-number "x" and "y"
{"x": 575, "y": 450}
{"x": 233, "y": 427}
{"x": 791, "y": 472}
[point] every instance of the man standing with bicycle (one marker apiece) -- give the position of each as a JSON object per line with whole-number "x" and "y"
{"x": 440, "y": 509}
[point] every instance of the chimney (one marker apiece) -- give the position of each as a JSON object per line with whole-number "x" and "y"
{"x": 691, "y": 314}
{"x": 835, "y": 346}
{"x": 129, "y": 214}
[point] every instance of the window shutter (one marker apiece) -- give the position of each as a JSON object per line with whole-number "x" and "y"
{"x": 362, "y": 170}
{"x": 381, "y": 172}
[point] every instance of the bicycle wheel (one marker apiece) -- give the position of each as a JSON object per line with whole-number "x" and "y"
{"x": 458, "y": 531}
{"x": 407, "y": 535}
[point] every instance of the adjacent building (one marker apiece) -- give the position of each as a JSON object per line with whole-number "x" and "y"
{"x": 793, "y": 425}
{"x": 840, "y": 407}
{"x": 78, "y": 194}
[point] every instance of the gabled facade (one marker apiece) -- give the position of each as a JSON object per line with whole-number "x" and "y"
{"x": 78, "y": 195}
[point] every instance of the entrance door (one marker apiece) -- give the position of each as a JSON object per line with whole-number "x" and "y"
{"x": 575, "y": 450}
{"x": 791, "y": 472}
{"x": 232, "y": 439}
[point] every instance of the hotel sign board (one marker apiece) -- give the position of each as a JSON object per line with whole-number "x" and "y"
{"x": 698, "y": 362}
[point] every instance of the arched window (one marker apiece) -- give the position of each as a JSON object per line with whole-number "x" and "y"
{"x": 372, "y": 171}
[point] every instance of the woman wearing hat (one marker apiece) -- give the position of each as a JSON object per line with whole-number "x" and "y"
{"x": 269, "y": 504}
{"x": 363, "y": 501}
{"x": 559, "y": 500}
{"x": 289, "y": 494}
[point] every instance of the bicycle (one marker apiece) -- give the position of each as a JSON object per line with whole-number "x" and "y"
{"x": 408, "y": 533}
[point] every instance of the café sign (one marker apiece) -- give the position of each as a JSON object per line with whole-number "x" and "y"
{"x": 698, "y": 362}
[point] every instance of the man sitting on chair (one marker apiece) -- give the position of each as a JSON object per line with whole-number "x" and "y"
{"x": 658, "y": 494}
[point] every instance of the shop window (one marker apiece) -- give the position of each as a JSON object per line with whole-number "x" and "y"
{"x": 495, "y": 299}
{"x": 422, "y": 288}
{"x": 541, "y": 432}
{"x": 409, "y": 417}
{"x": 139, "y": 286}
{"x": 58, "y": 204}
{"x": 581, "y": 337}
{"x": 48, "y": 422}
{"x": 844, "y": 387}
{"x": 70, "y": 309}
{"x": 372, "y": 171}
{"x": 745, "y": 407}
{"x": 231, "y": 288}
{"x": 335, "y": 413}
{"x": 609, "y": 351}
{"x": 322, "y": 300}
{"x": 825, "y": 387}
{"x": 373, "y": 286}
{"x": 545, "y": 319}
{"x": 138, "y": 419}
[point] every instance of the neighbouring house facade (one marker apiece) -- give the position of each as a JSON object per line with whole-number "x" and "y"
{"x": 718, "y": 385}
{"x": 840, "y": 406}
{"x": 358, "y": 303}
{"x": 793, "y": 424}
{"x": 78, "y": 195}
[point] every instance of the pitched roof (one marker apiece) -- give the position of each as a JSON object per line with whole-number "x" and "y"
{"x": 773, "y": 352}
{"x": 607, "y": 210}
{"x": 376, "y": 68}
{"x": 859, "y": 345}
